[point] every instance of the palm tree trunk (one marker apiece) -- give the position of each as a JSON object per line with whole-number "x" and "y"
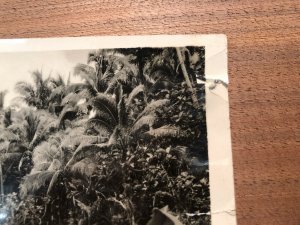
{"x": 1, "y": 184}
{"x": 187, "y": 79}
{"x": 2, "y": 95}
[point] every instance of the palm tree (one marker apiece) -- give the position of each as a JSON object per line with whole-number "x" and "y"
{"x": 113, "y": 116}
{"x": 32, "y": 126}
{"x": 51, "y": 155}
{"x": 2, "y": 95}
{"x": 27, "y": 130}
{"x": 159, "y": 72}
{"x": 74, "y": 105}
{"x": 47, "y": 161}
{"x": 110, "y": 118}
{"x": 36, "y": 94}
{"x": 58, "y": 91}
{"x": 187, "y": 78}
{"x": 105, "y": 69}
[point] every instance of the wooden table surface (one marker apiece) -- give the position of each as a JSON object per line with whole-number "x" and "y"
{"x": 264, "y": 70}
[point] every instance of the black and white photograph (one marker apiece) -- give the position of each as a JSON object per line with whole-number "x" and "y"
{"x": 111, "y": 136}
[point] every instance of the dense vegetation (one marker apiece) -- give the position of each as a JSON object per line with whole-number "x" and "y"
{"x": 127, "y": 140}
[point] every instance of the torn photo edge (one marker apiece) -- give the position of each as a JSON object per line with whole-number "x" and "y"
{"x": 217, "y": 105}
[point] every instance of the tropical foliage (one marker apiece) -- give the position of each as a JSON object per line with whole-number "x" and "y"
{"x": 120, "y": 146}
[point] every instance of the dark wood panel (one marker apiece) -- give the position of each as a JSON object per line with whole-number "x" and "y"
{"x": 264, "y": 69}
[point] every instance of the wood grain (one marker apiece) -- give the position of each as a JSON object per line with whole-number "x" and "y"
{"x": 264, "y": 59}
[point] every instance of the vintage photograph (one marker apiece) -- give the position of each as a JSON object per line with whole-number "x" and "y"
{"x": 109, "y": 136}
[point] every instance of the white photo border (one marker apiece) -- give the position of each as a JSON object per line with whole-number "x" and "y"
{"x": 217, "y": 107}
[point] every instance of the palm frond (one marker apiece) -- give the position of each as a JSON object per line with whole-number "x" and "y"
{"x": 94, "y": 56}
{"x": 137, "y": 90}
{"x": 25, "y": 88}
{"x": 163, "y": 62}
{"x": 57, "y": 94}
{"x": 101, "y": 125}
{"x": 8, "y": 135}
{"x": 46, "y": 125}
{"x": 70, "y": 98}
{"x": 45, "y": 152}
{"x": 125, "y": 62}
{"x": 124, "y": 77}
{"x": 105, "y": 103}
{"x": 75, "y": 140}
{"x": 113, "y": 83}
{"x": 17, "y": 147}
{"x": 108, "y": 75}
{"x": 85, "y": 167}
{"x": 6, "y": 116}
{"x": 77, "y": 125}
{"x": 55, "y": 165}
{"x": 56, "y": 138}
{"x": 23, "y": 158}
{"x": 162, "y": 65}
{"x": 161, "y": 84}
{"x": 37, "y": 94}
{"x": 53, "y": 181}
{"x": 30, "y": 124}
{"x": 4, "y": 146}
{"x": 147, "y": 120}
{"x": 34, "y": 182}
{"x": 73, "y": 111}
{"x": 17, "y": 131}
{"x": 73, "y": 131}
{"x": 68, "y": 112}
{"x": 40, "y": 167}
{"x": 25, "y": 124}
{"x": 86, "y": 73}
{"x": 113, "y": 139}
{"x": 75, "y": 88}
{"x": 29, "y": 100}
{"x": 154, "y": 106}
{"x": 57, "y": 82}
{"x": 164, "y": 131}
{"x": 74, "y": 98}
{"x": 84, "y": 151}
{"x": 10, "y": 157}
{"x": 122, "y": 69}
{"x": 121, "y": 77}
{"x": 37, "y": 77}
{"x": 42, "y": 89}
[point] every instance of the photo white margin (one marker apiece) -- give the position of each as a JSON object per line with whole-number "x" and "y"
{"x": 217, "y": 107}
